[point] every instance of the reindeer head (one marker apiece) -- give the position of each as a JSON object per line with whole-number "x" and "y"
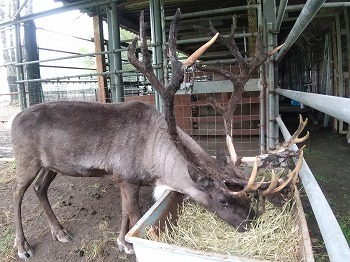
{"x": 227, "y": 188}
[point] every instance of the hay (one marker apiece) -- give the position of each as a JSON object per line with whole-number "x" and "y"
{"x": 273, "y": 236}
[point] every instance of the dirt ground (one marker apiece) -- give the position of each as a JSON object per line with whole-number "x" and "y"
{"x": 90, "y": 208}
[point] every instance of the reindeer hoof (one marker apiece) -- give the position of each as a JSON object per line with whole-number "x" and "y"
{"x": 61, "y": 236}
{"x": 125, "y": 247}
{"x": 24, "y": 249}
{"x": 26, "y": 254}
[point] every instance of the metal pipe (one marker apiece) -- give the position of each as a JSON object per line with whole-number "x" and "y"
{"x": 309, "y": 11}
{"x": 68, "y": 67}
{"x": 59, "y": 51}
{"x": 61, "y": 77}
{"x": 213, "y": 12}
{"x": 347, "y": 32}
{"x": 272, "y": 105}
{"x": 262, "y": 79}
{"x": 19, "y": 10}
{"x": 280, "y": 14}
{"x": 224, "y": 61}
{"x": 114, "y": 36}
{"x": 164, "y": 48}
{"x": 293, "y": 8}
{"x": 19, "y": 70}
{"x": 340, "y": 67}
{"x": 6, "y": 28}
{"x": 338, "y": 107}
{"x": 112, "y": 81}
{"x": 50, "y": 79}
{"x": 336, "y": 244}
{"x": 71, "y": 81}
{"x": 59, "y": 33}
{"x": 339, "y": 57}
{"x": 71, "y": 57}
{"x": 205, "y": 39}
{"x": 156, "y": 38}
{"x": 328, "y": 15}
{"x": 62, "y": 9}
{"x": 7, "y": 48}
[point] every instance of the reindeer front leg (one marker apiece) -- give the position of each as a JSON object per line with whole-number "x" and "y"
{"x": 130, "y": 213}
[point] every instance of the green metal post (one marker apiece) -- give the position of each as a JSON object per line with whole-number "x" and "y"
{"x": 164, "y": 46}
{"x": 33, "y": 70}
{"x": 156, "y": 40}
{"x": 272, "y": 98}
{"x": 117, "y": 87}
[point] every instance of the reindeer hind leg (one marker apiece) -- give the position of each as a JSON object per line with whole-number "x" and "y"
{"x": 41, "y": 185}
{"x": 25, "y": 177}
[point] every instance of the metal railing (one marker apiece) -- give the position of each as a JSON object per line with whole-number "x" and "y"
{"x": 336, "y": 244}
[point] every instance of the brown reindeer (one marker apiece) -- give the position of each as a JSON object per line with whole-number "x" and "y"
{"x": 132, "y": 143}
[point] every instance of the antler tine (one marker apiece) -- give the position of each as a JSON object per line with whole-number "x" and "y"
{"x": 192, "y": 58}
{"x": 294, "y": 138}
{"x": 293, "y": 175}
{"x": 299, "y": 164}
{"x": 272, "y": 52}
{"x": 231, "y": 149}
{"x": 253, "y": 174}
{"x": 146, "y": 67}
{"x": 172, "y": 34}
{"x": 251, "y": 185}
{"x": 273, "y": 184}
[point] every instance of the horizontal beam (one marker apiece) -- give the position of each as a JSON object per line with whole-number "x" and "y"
{"x": 220, "y": 100}
{"x": 336, "y": 244}
{"x": 307, "y": 13}
{"x": 213, "y": 12}
{"x": 205, "y": 39}
{"x": 219, "y": 119}
{"x": 218, "y": 132}
{"x": 62, "y": 9}
{"x": 338, "y": 107}
{"x": 293, "y": 8}
{"x": 219, "y": 86}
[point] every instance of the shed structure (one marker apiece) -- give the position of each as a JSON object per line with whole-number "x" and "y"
{"x": 310, "y": 74}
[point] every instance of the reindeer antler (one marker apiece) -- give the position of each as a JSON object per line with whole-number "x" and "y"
{"x": 209, "y": 166}
{"x": 238, "y": 81}
{"x": 168, "y": 92}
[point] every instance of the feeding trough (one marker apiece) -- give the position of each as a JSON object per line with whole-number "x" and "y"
{"x": 167, "y": 206}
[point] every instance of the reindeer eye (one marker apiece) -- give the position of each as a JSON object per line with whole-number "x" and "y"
{"x": 234, "y": 187}
{"x": 223, "y": 202}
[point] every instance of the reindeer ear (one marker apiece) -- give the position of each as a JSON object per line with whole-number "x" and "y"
{"x": 199, "y": 178}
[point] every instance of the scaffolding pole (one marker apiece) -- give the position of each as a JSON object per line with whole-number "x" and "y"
{"x": 117, "y": 87}
{"x": 213, "y": 12}
{"x": 307, "y": 13}
{"x": 156, "y": 40}
{"x": 62, "y": 9}
{"x": 19, "y": 69}
{"x": 280, "y": 14}
{"x": 338, "y": 107}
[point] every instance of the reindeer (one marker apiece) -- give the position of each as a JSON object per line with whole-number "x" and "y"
{"x": 136, "y": 146}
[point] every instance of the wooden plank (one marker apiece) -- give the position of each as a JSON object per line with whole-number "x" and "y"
{"x": 100, "y": 60}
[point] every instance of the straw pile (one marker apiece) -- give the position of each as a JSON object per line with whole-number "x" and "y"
{"x": 274, "y": 235}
